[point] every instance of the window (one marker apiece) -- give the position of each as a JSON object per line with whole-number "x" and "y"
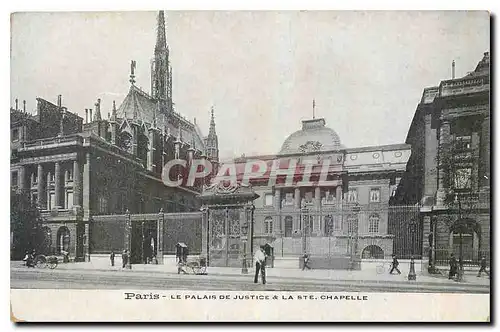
{"x": 375, "y": 195}
{"x": 288, "y": 226}
{"x": 69, "y": 200}
{"x": 14, "y": 179}
{"x": 373, "y": 223}
{"x": 308, "y": 197}
{"x": 288, "y": 199}
{"x": 268, "y": 200}
{"x": 102, "y": 204}
{"x": 34, "y": 177}
{"x": 462, "y": 178}
{"x": 351, "y": 224}
{"x": 463, "y": 142}
{"x": 15, "y": 135}
{"x": 329, "y": 197}
{"x": 268, "y": 225}
{"x": 34, "y": 198}
{"x": 352, "y": 195}
{"x": 51, "y": 201}
{"x": 70, "y": 174}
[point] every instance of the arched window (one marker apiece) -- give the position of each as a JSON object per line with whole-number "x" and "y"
{"x": 352, "y": 223}
{"x": 126, "y": 141}
{"x": 373, "y": 223}
{"x": 372, "y": 252}
{"x": 268, "y": 225}
{"x": 288, "y": 226}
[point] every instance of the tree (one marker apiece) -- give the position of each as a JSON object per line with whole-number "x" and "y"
{"x": 25, "y": 226}
{"x": 456, "y": 162}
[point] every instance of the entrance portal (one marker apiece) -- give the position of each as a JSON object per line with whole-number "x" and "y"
{"x": 143, "y": 242}
{"x": 227, "y": 225}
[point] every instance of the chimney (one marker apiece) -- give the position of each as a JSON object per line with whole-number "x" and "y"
{"x": 59, "y": 101}
{"x": 24, "y": 106}
{"x": 17, "y": 101}
{"x": 90, "y": 115}
{"x": 86, "y": 115}
{"x": 453, "y": 70}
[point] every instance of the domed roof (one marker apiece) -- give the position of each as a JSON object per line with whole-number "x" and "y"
{"x": 314, "y": 137}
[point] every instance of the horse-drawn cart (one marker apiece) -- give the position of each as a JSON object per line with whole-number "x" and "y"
{"x": 189, "y": 265}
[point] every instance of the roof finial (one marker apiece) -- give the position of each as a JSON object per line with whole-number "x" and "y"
{"x": 211, "y": 131}
{"x": 132, "y": 72}
{"x": 314, "y": 107}
{"x": 453, "y": 69}
{"x": 17, "y": 102}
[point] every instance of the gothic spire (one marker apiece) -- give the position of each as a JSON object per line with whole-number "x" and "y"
{"x": 159, "y": 68}
{"x": 211, "y": 131}
{"x": 161, "y": 37}
{"x": 97, "y": 115}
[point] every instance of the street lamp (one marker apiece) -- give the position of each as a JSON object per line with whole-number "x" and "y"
{"x": 411, "y": 274}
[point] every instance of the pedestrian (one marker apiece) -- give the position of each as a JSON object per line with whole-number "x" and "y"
{"x": 112, "y": 258}
{"x": 453, "y": 267}
{"x": 125, "y": 258}
{"x": 483, "y": 267}
{"x": 306, "y": 261}
{"x": 260, "y": 265}
{"x": 395, "y": 265}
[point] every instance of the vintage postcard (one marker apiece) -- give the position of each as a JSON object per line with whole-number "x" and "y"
{"x": 250, "y": 166}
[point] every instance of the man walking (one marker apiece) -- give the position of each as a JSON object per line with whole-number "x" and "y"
{"x": 453, "y": 267}
{"x": 112, "y": 258}
{"x": 483, "y": 267}
{"x": 306, "y": 261}
{"x": 395, "y": 265}
{"x": 125, "y": 258}
{"x": 260, "y": 265}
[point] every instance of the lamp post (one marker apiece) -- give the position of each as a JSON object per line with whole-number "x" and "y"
{"x": 411, "y": 274}
{"x": 354, "y": 245}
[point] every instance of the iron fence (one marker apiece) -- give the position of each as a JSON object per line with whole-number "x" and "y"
{"x": 371, "y": 231}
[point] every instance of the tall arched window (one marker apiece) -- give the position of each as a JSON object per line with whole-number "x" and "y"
{"x": 352, "y": 223}
{"x": 268, "y": 225}
{"x": 373, "y": 223}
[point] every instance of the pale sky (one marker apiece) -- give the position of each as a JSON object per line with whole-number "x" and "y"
{"x": 261, "y": 70}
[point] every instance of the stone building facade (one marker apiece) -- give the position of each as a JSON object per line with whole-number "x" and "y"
{"x": 322, "y": 213}
{"x": 453, "y": 115}
{"x": 75, "y": 168}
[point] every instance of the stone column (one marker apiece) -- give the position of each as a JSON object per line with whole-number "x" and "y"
{"x": 76, "y": 184}
{"x": 47, "y": 192}
{"x": 113, "y": 132}
{"x": 277, "y": 208}
{"x": 485, "y": 150}
{"x": 151, "y": 149}
{"x": 338, "y": 194}
{"x": 297, "y": 209}
{"x": 317, "y": 208}
{"x": 444, "y": 137}
{"x": 204, "y": 232}
{"x": 476, "y": 148}
{"x": 127, "y": 237}
{"x": 57, "y": 185}
{"x": 425, "y": 243}
{"x": 159, "y": 236}
{"x": 86, "y": 187}
{"x": 39, "y": 188}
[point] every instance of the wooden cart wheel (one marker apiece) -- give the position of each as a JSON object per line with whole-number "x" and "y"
{"x": 53, "y": 265}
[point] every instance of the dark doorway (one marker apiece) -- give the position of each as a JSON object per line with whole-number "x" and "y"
{"x": 143, "y": 242}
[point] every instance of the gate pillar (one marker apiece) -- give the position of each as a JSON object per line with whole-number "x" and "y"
{"x": 160, "y": 224}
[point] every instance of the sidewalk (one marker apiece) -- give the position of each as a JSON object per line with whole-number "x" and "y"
{"x": 367, "y": 275}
